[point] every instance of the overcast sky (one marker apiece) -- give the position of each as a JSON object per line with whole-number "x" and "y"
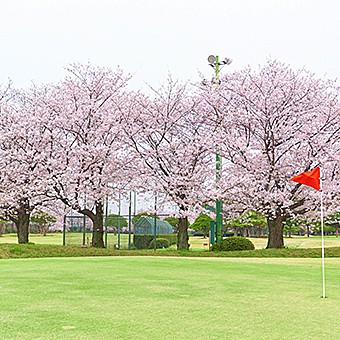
{"x": 151, "y": 38}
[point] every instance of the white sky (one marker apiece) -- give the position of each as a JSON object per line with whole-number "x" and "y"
{"x": 151, "y": 38}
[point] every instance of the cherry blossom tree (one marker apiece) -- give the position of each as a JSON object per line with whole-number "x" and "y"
{"x": 23, "y": 149}
{"x": 274, "y": 123}
{"x": 170, "y": 142}
{"x": 87, "y": 161}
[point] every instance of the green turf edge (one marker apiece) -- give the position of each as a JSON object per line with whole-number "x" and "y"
{"x": 8, "y": 251}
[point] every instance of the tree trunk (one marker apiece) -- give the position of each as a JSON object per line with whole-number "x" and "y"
{"x": 98, "y": 226}
{"x": 22, "y": 221}
{"x": 182, "y": 236}
{"x": 275, "y": 226}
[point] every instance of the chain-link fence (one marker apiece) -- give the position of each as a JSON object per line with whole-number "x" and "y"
{"x": 118, "y": 232}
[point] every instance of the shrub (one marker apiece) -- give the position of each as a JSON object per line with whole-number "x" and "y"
{"x": 160, "y": 243}
{"x": 141, "y": 241}
{"x": 234, "y": 243}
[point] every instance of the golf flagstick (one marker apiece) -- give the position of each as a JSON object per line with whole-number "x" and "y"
{"x": 322, "y": 241}
{"x": 313, "y": 179}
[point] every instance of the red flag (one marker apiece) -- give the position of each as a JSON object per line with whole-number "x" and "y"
{"x": 310, "y": 178}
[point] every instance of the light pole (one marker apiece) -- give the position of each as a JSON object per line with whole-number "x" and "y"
{"x": 216, "y": 64}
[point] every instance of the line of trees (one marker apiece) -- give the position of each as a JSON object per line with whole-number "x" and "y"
{"x": 72, "y": 144}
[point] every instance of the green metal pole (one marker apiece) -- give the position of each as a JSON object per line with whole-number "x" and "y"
{"x": 212, "y": 232}
{"x": 218, "y": 172}
{"x": 154, "y": 226}
{"x": 129, "y": 246}
{"x": 134, "y": 204}
{"x": 217, "y": 69}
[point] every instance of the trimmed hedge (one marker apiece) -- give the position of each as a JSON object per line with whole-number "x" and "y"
{"x": 233, "y": 243}
{"x": 143, "y": 241}
{"x": 160, "y": 243}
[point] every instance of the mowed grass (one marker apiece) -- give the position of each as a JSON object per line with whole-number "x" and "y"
{"x": 50, "y": 246}
{"x": 296, "y": 242}
{"x": 168, "y": 298}
{"x": 196, "y": 242}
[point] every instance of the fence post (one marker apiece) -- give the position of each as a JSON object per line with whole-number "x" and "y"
{"x": 84, "y": 230}
{"x": 64, "y": 231}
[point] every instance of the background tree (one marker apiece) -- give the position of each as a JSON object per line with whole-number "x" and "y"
{"x": 173, "y": 221}
{"x": 294, "y": 225}
{"x": 202, "y": 224}
{"x": 247, "y": 221}
{"x": 114, "y": 220}
{"x": 43, "y": 220}
{"x": 3, "y": 223}
{"x": 331, "y": 224}
{"x": 333, "y": 220}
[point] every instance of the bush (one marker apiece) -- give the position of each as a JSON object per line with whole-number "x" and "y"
{"x": 160, "y": 243}
{"x": 141, "y": 241}
{"x": 233, "y": 243}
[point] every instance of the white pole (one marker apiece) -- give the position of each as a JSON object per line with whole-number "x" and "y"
{"x": 322, "y": 242}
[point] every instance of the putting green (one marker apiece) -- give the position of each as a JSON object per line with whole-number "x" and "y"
{"x": 168, "y": 298}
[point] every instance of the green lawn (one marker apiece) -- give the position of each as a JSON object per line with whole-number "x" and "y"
{"x": 168, "y": 298}
{"x": 71, "y": 239}
{"x": 196, "y": 242}
{"x": 301, "y": 242}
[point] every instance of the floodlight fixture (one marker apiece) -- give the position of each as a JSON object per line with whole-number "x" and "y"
{"x": 228, "y": 61}
{"x": 211, "y": 59}
{"x": 215, "y": 62}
